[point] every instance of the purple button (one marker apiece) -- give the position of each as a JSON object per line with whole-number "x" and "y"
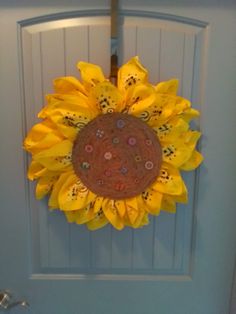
{"x": 123, "y": 170}
{"x": 132, "y": 141}
{"x": 120, "y": 123}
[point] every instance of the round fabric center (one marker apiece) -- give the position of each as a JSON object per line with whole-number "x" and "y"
{"x": 117, "y": 156}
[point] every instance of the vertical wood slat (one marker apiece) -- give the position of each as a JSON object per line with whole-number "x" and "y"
{"x": 99, "y": 53}
{"x": 187, "y": 79}
{"x": 142, "y": 253}
{"x": 171, "y": 65}
{"x": 122, "y": 242}
{"x": 99, "y": 47}
{"x": 189, "y": 208}
{"x": 33, "y": 102}
{"x": 101, "y": 242}
{"x": 128, "y": 46}
{"x": 182, "y": 243}
{"x": 53, "y": 65}
{"x": 52, "y": 53}
{"x": 164, "y": 242}
{"x": 76, "y": 48}
{"x": 148, "y": 49}
{"x": 172, "y": 53}
{"x": 122, "y": 248}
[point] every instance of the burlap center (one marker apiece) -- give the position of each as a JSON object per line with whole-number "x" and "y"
{"x": 117, "y": 156}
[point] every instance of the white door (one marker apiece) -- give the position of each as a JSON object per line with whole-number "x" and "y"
{"x": 180, "y": 263}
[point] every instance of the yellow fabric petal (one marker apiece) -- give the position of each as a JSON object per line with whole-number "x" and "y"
{"x": 172, "y": 129}
{"x": 68, "y": 85}
{"x": 132, "y": 209}
{"x": 168, "y": 87}
{"x": 36, "y": 170}
{"x": 183, "y": 197}
{"x": 131, "y": 73}
{"x": 144, "y": 108}
{"x": 91, "y": 74}
{"x": 111, "y": 213}
{"x": 169, "y": 180}
{"x": 70, "y": 113}
{"x": 168, "y": 204}
{"x": 56, "y": 158}
{"x": 45, "y": 184}
{"x": 42, "y": 135}
{"x": 141, "y": 220}
{"x": 178, "y": 151}
{"x": 53, "y": 200}
{"x": 191, "y": 137}
{"x": 98, "y": 204}
{"x": 137, "y": 93}
{"x": 98, "y": 221}
{"x": 74, "y": 195}
{"x": 81, "y": 216}
{"x": 152, "y": 201}
{"x": 193, "y": 162}
{"x": 121, "y": 207}
{"x": 189, "y": 114}
{"x": 106, "y": 98}
{"x": 165, "y": 107}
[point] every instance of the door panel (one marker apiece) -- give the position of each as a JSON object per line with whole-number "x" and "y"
{"x": 168, "y": 49}
{"x": 178, "y": 264}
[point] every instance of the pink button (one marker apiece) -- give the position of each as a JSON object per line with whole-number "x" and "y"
{"x": 107, "y": 173}
{"x": 108, "y": 155}
{"x": 88, "y": 148}
{"x": 132, "y": 141}
{"x": 149, "y": 165}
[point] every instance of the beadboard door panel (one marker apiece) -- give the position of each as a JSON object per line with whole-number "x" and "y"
{"x": 52, "y": 49}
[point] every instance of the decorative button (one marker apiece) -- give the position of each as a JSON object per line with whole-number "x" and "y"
{"x": 107, "y": 173}
{"x": 110, "y": 110}
{"x": 85, "y": 165}
{"x": 148, "y": 142}
{"x": 132, "y": 141}
{"x": 120, "y": 123}
{"x": 120, "y": 186}
{"x": 138, "y": 158}
{"x": 149, "y": 165}
{"x": 108, "y": 155}
{"x": 123, "y": 170}
{"x": 115, "y": 140}
{"x": 100, "y": 182}
{"x": 88, "y": 148}
{"x": 99, "y": 133}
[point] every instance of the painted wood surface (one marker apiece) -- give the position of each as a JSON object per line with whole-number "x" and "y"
{"x": 165, "y": 246}
{"x": 179, "y": 264}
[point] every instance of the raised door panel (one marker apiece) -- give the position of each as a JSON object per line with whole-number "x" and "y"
{"x": 168, "y": 49}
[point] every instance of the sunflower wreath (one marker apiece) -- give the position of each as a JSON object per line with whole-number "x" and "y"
{"x": 109, "y": 154}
